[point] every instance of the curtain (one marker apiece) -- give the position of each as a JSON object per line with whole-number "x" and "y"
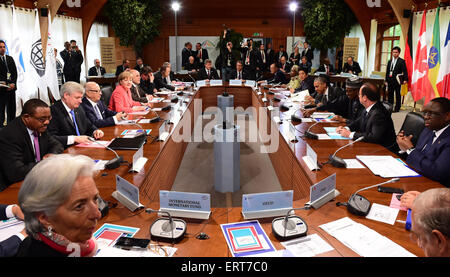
{"x": 98, "y": 30}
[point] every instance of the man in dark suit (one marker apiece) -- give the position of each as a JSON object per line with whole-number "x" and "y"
{"x": 270, "y": 56}
{"x": 306, "y": 81}
{"x": 305, "y": 64}
{"x": 164, "y": 77}
{"x": 200, "y": 55}
{"x": 69, "y": 123}
{"x": 96, "y": 70}
{"x": 208, "y": 72}
{"x": 262, "y": 58}
{"x": 395, "y": 67}
{"x": 192, "y": 65}
{"x": 95, "y": 110}
{"x": 8, "y": 79}
{"x": 73, "y": 59}
{"x": 326, "y": 97}
{"x": 278, "y": 76}
{"x": 351, "y": 67}
{"x": 186, "y": 53}
{"x": 10, "y": 246}
{"x": 137, "y": 93}
{"x": 124, "y": 66}
{"x": 431, "y": 155}
{"x": 25, "y": 141}
{"x": 308, "y": 53}
{"x": 239, "y": 73}
{"x": 374, "y": 124}
{"x": 326, "y": 67}
{"x": 350, "y": 107}
{"x": 250, "y": 59}
{"x": 147, "y": 81}
{"x": 139, "y": 64}
{"x": 284, "y": 66}
{"x": 281, "y": 53}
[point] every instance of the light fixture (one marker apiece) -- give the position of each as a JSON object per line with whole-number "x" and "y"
{"x": 293, "y": 7}
{"x": 176, "y": 6}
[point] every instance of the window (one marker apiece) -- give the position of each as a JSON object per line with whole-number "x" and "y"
{"x": 391, "y": 38}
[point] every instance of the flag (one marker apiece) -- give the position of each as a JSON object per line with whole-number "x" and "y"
{"x": 420, "y": 84}
{"x": 443, "y": 80}
{"x": 51, "y": 76}
{"x": 409, "y": 53}
{"x": 434, "y": 58}
{"x": 25, "y": 87}
{"x": 37, "y": 61}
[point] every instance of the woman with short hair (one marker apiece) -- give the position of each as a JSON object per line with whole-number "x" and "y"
{"x": 121, "y": 99}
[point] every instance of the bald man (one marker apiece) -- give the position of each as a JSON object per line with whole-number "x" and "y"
{"x": 95, "y": 110}
{"x": 430, "y": 222}
{"x": 96, "y": 70}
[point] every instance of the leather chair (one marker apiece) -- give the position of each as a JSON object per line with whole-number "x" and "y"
{"x": 413, "y": 125}
{"x": 388, "y": 106}
{"x": 106, "y": 94}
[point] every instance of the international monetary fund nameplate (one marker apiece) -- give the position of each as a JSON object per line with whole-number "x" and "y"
{"x": 174, "y": 200}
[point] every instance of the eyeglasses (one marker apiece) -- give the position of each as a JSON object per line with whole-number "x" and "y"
{"x": 42, "y": 119}
{"x": 95, "y": 90}
{"x": 431, "y": 114}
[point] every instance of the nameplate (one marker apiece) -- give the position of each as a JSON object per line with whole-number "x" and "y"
{"x": 215, "y": 82}
{"x": 250, "y": 83}
{"x": 185, "y": 204}
{"x": 139, "y": 160}
{"x": 322, "y": 188}
{"x": 163, "y": 134}
{"x": 127, "y": 189}
{"x": 291, "y": 134}
{"x": 270, "y": 204}
{"x": 235, "y": 82}
{"x": 311, "y": 158}
{"x": 201, "y": 83}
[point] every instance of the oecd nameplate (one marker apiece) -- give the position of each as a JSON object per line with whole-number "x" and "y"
{"x": 270, "y": 204}
{"x": 185, "y": 204}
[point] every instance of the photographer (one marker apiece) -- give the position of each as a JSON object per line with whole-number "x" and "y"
{"x": 228, "y": 60}
{"x": 73, "y": 58}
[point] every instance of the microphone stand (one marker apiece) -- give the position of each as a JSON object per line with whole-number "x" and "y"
{"x": 113, "y": 163}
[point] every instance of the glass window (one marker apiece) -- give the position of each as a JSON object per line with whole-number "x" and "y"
{"x": 391, "y": 38}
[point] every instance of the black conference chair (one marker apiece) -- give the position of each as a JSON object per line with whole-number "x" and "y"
{"x": 106, "y": 94}
{"x": 413, "y": 125}
{"x": 388, "y": 106}
{"x": 3, "y": 185}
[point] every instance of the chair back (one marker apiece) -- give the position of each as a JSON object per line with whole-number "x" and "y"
{"x": 106, "y": 94}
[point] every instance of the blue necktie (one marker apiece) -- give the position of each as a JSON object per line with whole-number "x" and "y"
{"x": 429, "y": 143}
{"x": 75, "y": 122}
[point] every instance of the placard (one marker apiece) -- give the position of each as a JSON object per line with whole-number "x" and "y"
{"x": 322, "y": 188}
{"x": 200, "y": 202}
{"x": 235, "y": 82}
{"x": 351, "y": 49}
{"x": 127, "y": 189}
{"x": 267, "y": 201}
{"x": 215, "y": 82}
{"x": 108, "y": 53}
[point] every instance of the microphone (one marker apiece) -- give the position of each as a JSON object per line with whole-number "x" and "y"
{"x": 312, "y": 135}
{"x": 113, "y": 163}
{"x": 162, "y": 226}
{"x": 359, "y": 205}
{"x": 338, "y": 162}
{"x": 143, "y": 133}
{"x": 295, "y": 118}
{"x": 290, "y": 226}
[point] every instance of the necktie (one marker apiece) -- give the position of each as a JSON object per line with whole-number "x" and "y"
{"x": 263, "y": 57}
{"x": 99, "y": 114}
{"x": 99, "y": 73}
{"x": 364, "y": 121}
{"x": 209, "y": 74}
{"x": 36, "y": 146}
{"x": 429, "y": 142}
{"x": 239, "y": 75}
{"x": 6, "y": 64}
{"x": 75, "y": 122}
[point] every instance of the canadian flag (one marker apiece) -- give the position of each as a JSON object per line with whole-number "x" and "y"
{"x": 420, "y": 85}
{"x": 443, "y": 80}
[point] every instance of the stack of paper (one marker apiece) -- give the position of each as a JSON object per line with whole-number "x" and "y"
{"x": 10, "y": 228}
{"x": 363, "y": 240}
{"x": 387, "y": 166}
{"x": 309, "y": 246}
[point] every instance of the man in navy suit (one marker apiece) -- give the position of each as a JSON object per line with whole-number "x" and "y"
{"x": 9, "y": 247}
{"x": 431, "y": 155}
{"x": 95, "y": 110}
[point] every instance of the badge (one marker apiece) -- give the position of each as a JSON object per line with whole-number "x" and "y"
{"x": 8, "y": 76}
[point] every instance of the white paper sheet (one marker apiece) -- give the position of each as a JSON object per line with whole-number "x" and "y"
{"x": 309, "y": 246}
{"x": 117, "y": 252}
{"x": 10, "y": 228}
{"x": 386, "y": 166}
{"x": 382, "y": 213}
{"x": 353, "y": 164}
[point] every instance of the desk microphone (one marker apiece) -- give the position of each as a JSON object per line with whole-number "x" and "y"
{"x": 295, "y": 118}
{"x": 312, "y": 135}
{"x": 290, "y": 226}
{"x": 192, "y": 78}
{"x": 338, "y": 162}
{"x": 359, "y": 205}
{"x": 162, "y": 226}
{"x": 113, "y": 163}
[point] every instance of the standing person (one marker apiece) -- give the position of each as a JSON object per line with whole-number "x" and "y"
{"x": 186, "y": 53}
{"x": 59, "y": 70}
{"x": 8, "y": 85}
{"x": 307, "y": 52}
{"x": 201, "y": 55}
{"x": 228, "y": 59}
{"x": 295, "y": 57}
{"x": 270, "y": 55}
{"x": 396, "y": 67}
{"x": 73, "y": 59}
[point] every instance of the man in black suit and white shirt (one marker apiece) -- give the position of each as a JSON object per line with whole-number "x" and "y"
{"x": 201, "y": 55}
{"x": 395, "y": 67}
{"x": 69, "y": 123}
{"x": 95, "y": 110}
{"x": 281, "y": 53}
{"x": 8, "y": 79}
{"x": 10, "y": 246}
{"x": 239, "y": 73}
{"x": 186, "y": 53}
{"x": 97, "y": 70}
{"x": 208, "y": 72}
{"x": 73, "y": 59}
{"x": 25, "y": 141}
{"x": 307, "y": 52}
{"x": 121, "y": 68}
{"x": 374, "y": 124}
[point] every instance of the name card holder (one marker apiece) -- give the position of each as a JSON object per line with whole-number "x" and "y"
{"x": 323, "y": 192}
{"x": 138, "y": 160}
{"x": 127, "y": 194}
{"x": 185, "y": 204}
{"x": 263, "y": 205}
{"x": 215, "y": 82}
{"x": 163, "y": 134}
{"x": 235, "y": 82}
{"x": 311, "y": 158}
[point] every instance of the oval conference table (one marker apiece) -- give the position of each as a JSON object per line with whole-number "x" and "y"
{"x": 164, "y": 159}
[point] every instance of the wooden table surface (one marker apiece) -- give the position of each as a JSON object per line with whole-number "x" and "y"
{"x": 164, "y": 159}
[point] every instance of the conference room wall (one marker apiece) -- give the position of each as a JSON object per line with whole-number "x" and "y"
{"x": 157, "y": 52}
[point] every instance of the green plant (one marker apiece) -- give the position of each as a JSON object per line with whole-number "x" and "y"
{"x": 135, "y": 22}
{"x": 327, "y": 22}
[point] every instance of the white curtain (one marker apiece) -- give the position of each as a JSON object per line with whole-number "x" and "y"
{"x": 98, "y": 30}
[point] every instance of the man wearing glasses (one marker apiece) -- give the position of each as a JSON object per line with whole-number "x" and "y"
{"x": 431, "y": 155}
{"x": 26, "y": 141}
{"x": 96, "y": 111}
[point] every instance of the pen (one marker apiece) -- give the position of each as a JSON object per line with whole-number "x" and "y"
{"x": 401, "y": 221}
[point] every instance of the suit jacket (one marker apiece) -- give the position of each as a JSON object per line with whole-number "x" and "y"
{"x": 296, "y": 57}
{"x": 279, "y": 77}
{"x": 270, "y": 56}
{"x": 377, "y": 127}
{"x": 161, "y": 82}
{"x": 309, "y": 54}
{"x": 202, "y": 74}
{"x": 92, "y": 115}
{"x": 139, "y": 68}
{"x": 279, "y": 55}
{"x": 261, "y": 64}
{"x": 93, "y": 71}
{"x": 122, "y": 101}
{"x": 138, "y": 94}
{"x": 306, "y": 66}
{"x": 333, "y": 104}
{"x": 287, "y": 67}
{"x": 307, "y": 84}
{"x": 399, "y": 68}
{"x": 8, "y": 247}
{"x": 61, "y": 126}
{"x": 12, "y": 70}
{"x": 192, "y": 66}
{"x": 432, "y": 161}
{"x": 330, "y": 69}
{"x": 72, "y": 65}
{"x": 119, "y": 70}
{"x": 147, "y": 86}
{"x": 205, "y": 56}
{"x": 17, "y": 151}
{"x": 31, "y": 247}
{"x": 185, "y": 54}
{"x": 355, "y": 68}
{"x": 3, "y": 212}
{"x": 244, "y": 75}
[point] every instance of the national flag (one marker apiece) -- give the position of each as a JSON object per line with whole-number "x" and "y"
{"x": 420, "y": 85}
{"x": 51, "y": 75}
{"x": 409, "y": 53}
{"x": 37, "y": 61}
{"x": 443, "y": 80}
{"x": 434, "y": 58}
